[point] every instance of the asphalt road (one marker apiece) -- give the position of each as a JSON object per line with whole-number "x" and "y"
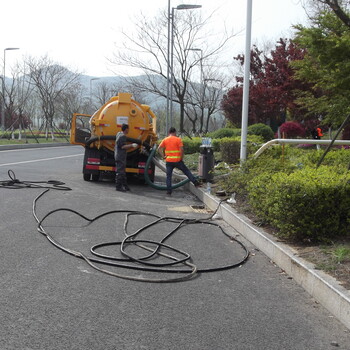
{"x": 53, "y": 300}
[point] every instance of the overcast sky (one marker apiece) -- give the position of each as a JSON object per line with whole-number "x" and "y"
{"x": 82, "y": 34}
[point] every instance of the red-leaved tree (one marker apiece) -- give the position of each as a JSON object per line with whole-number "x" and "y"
{"x": 272, "y": 89}
{"x": 292, "y": 130}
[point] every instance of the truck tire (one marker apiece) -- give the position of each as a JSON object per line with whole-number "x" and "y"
{"x": 153, "y": 168}
{"x": 87, "y": 177}
{"x": 95, "y": 177}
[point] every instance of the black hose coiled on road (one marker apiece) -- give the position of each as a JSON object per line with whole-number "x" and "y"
{"x": 15, "y": 183}
{"x": 144, "y": 263}
{"x": 188, "y": 271}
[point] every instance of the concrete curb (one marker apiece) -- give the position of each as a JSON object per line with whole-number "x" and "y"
{"x": 324, "y": 288}
{"x": 33, "y": 145}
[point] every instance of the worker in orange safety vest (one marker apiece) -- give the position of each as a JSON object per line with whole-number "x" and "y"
{"x": 319, "y": 132}
{"x": 171, "y": 149}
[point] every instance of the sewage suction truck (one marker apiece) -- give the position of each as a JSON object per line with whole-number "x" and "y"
{"x": 97, "y": 134}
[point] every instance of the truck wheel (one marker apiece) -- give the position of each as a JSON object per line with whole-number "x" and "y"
{"x": 86, "y": 177}
{"x": 153, "y": 168}
{"x": 95, "y": 177}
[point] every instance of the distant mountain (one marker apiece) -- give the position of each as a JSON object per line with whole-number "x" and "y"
{"x": 85, "y": 80}
{"x": 150, "y": 99}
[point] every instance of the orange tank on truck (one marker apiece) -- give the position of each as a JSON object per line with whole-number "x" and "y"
{"x": 97, "y": 134}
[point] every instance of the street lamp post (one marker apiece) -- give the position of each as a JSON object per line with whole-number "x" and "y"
{"x": 170, "y": 77}
{"x": 3, "y": 88}
{"x": 245, "y": 102}
{"x": 90, "y": 93}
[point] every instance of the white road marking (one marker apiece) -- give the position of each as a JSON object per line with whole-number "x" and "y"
{"x": 41, "y": 160}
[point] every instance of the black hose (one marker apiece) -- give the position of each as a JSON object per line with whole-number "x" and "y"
{"x": 112, "y": 138}
{"x": 154, "y": 248}
{"x": 148, "y": 180}
{"x": 15, "y": 183}
{"x": 131, "y": 262}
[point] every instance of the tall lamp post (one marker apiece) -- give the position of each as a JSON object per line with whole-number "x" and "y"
{"x": 90, "y": 94}
{"x": 245, "y": 102}
{"x": 170, "y": 70}
{"x": 3, "y": 88}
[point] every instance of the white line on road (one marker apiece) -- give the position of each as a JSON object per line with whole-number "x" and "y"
{"x": 41, "y": 160}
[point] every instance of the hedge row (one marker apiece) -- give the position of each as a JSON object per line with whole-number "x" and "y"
{"x": 259, "y": 129}
{"x": 308, "y": 204}
{"x": 228, "y": 146}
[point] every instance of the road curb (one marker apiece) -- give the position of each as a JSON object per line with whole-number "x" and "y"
{"x": 324, "y": 288}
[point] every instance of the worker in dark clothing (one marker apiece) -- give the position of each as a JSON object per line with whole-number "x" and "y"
{"x": 171, "y": 149}
{"x": 121, "y": 146}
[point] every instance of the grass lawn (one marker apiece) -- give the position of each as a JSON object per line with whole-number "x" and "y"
{"x": 5, "y": 141}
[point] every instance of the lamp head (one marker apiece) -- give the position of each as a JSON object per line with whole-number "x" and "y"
{"x": 187, "y": 7}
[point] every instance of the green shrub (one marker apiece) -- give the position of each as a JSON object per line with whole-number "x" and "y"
{"x": 230, "y": 147}
{"x": 262, "y": 130}
{"x": 229, "y": 124}
{"x": 239, "y": 177}
{"x": 285, "y": 189}
{"x": 224, "y": 132}
{"x": 308, "y": 204}
{"x": 191, "y": 145}
{"x": 335, "y": 157}
{"x": 216, "y": 144}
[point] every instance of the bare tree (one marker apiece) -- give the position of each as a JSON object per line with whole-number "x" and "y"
{"x": 104, "y": 91}
{"x": 339, "y": 7}
{"x": 204, "y": 98}
{"x": 71, "y": 100}
{"x": 24, "y": 105}
{"x": 10, "y": 101}
{"x": 20, "y": 103}
{"x": 51, "y": 81}
{"x": 146, "y": 52}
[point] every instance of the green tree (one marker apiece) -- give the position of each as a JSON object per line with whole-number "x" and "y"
{"x": 326, "y": 65}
